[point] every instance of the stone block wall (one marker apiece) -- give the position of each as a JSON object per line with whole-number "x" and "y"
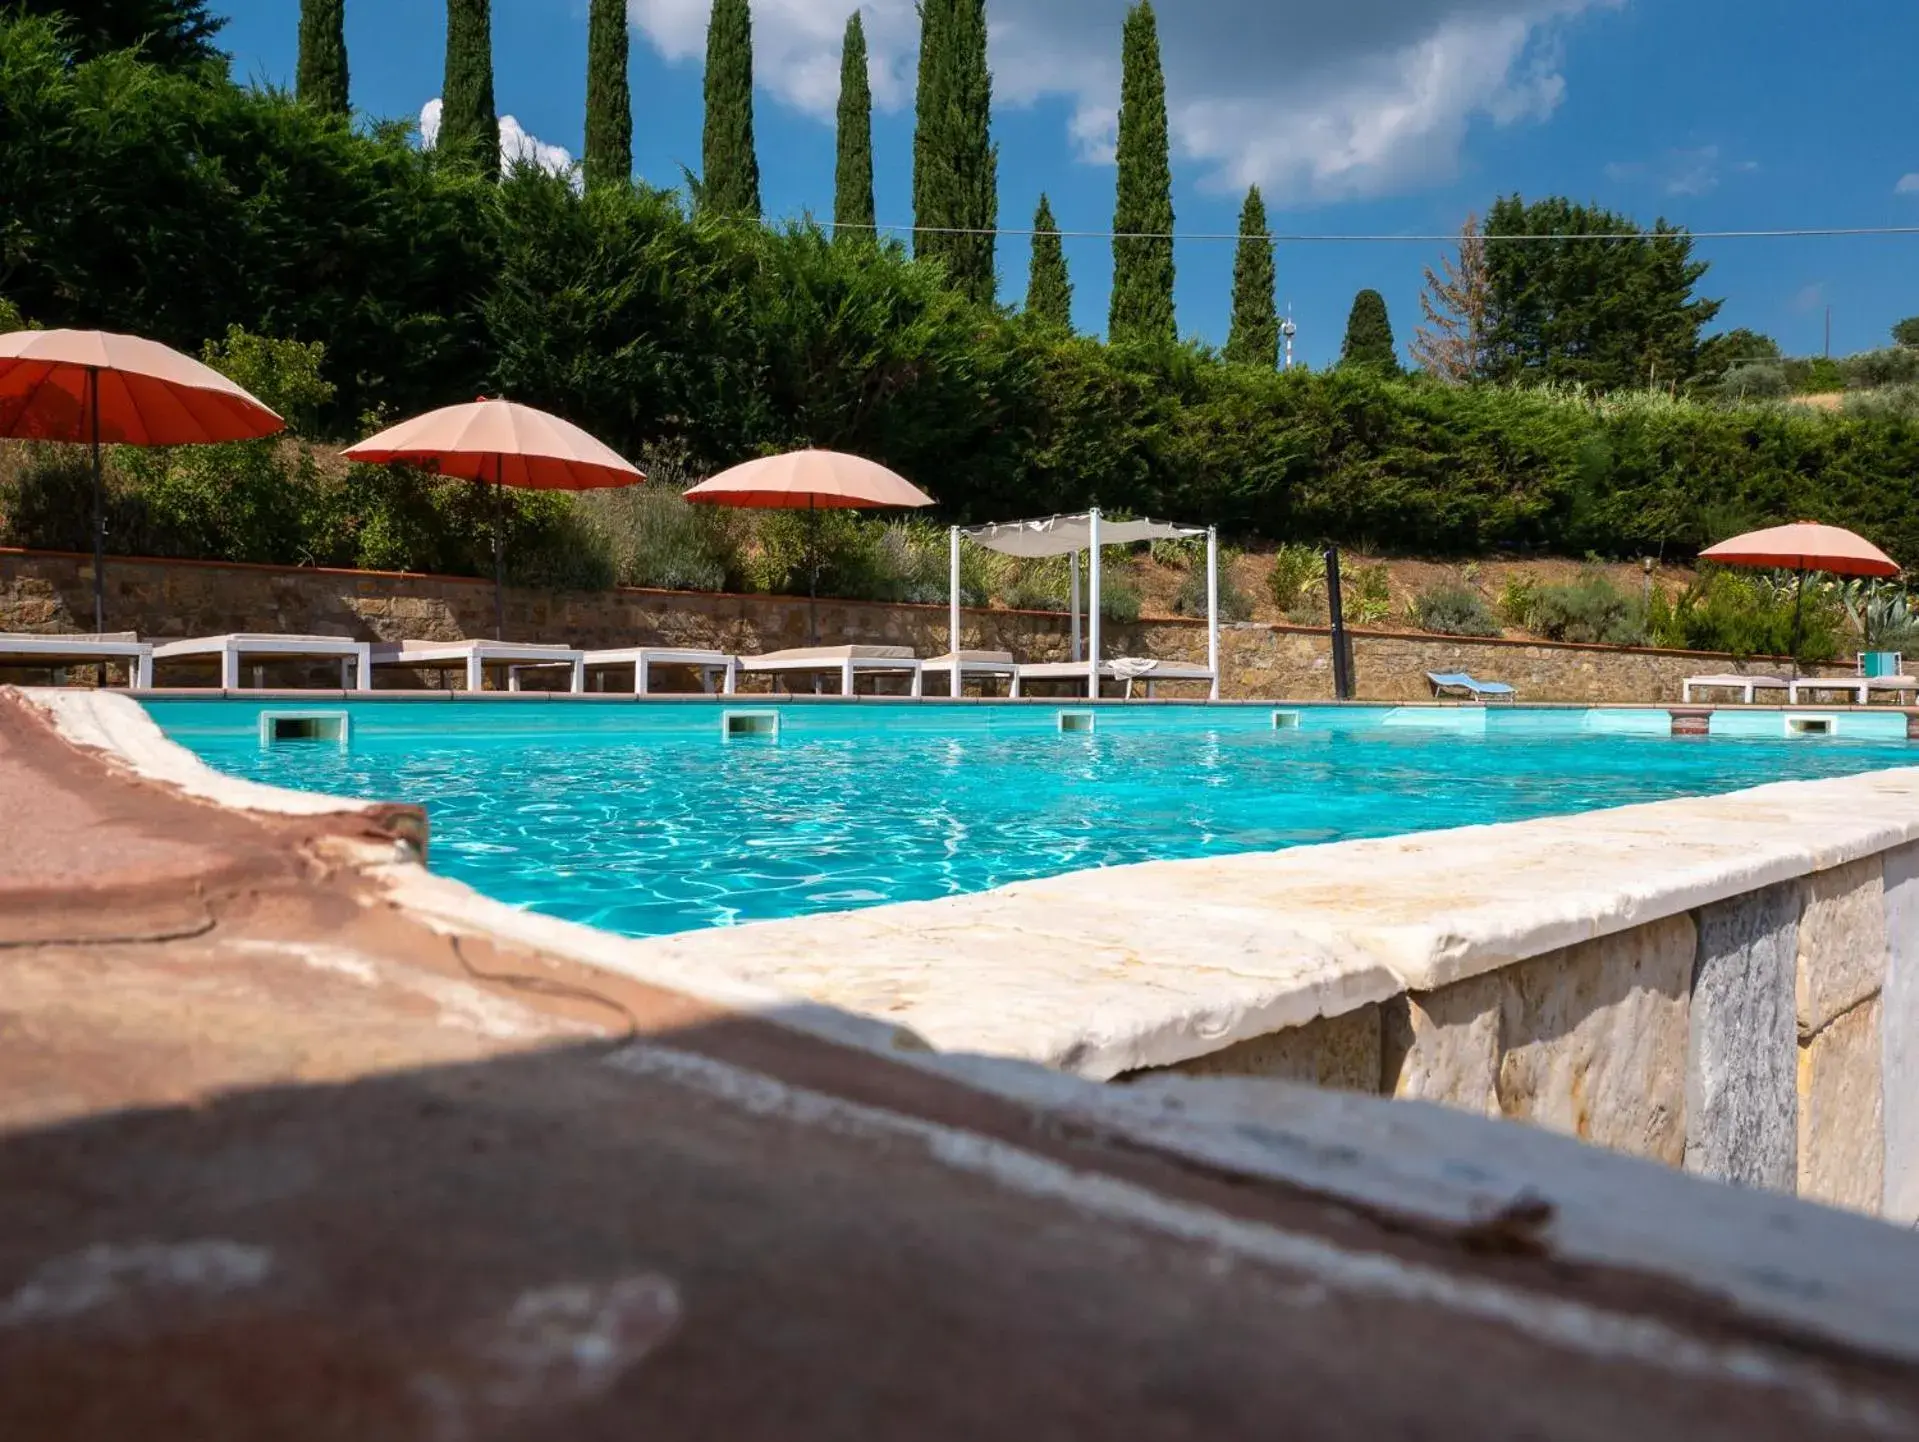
{"x": 162, "y": 599}
{"x": 1770, "y": 1040}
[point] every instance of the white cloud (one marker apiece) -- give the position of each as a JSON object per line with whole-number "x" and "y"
{"x": 1908, "y": 184}
{"x": 1809, "y": 297}
{"x": 1681, "y": 172}
{"x": 517, "y": 147}
{"x": 1358, "y": 98}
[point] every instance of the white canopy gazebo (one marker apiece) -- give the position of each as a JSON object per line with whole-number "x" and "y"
{"x": 1086, "y": 532}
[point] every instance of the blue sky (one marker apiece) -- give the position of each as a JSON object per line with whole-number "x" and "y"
{"x": 1369, "y": 116}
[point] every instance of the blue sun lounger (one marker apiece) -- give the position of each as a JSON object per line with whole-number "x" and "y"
{"x": 1482, "y": 691}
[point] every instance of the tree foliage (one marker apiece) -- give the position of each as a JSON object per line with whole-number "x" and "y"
{"x": 609, "y": 95}
{"x": 955, "y": 163}
{"x": 853, "y": 212}
{"x": 179, "y": 204}
{"x": 322, "y": 80}
{"x": 1906, "y": 332}
{"x": 172, "y": 33}
{"x": 1254, "y": 338}
{"x": 1608, "y": 314}
{"x": 730, "y": 167}
{"x": 1455, "y": 303}
{"x": 469, "y": 124}
{"x": 1142, "y": 302}
{"x": 1369, "y": 335}
{"x": 1049, "y": 291}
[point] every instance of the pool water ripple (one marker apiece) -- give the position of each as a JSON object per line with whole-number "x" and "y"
{"x": 648, "y": 834}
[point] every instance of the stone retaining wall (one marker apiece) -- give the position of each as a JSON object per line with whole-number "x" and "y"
{"x": 1769, "y": 1040}
{"x": 53, "y": 592}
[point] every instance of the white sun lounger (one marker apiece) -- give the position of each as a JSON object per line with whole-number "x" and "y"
{"x": 31, "y": 648}
{"x": 1128, "y": 669}
{"x": 973, "y": 663}
{"x": 712, "y": 665}
{"x": 232, "y": 651}
{"x": 1745, "y": 685}
{"x": 1861, "y": 687}
{"x": 850, "y": 662}
{"x": 476, "y": 656}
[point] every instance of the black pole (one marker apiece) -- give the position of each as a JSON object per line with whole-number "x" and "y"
{"x": 1798, "y": 604}
{"x": 99, "y": 509}
{"x": 499, "y": 548}
{"x": 1342, "y": 652}
{"x": 812, "y": 573}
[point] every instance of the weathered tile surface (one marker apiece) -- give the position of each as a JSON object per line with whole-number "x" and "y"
{"x": 1593, "y": 1040}
{"x": 1334, "y": 1051}
{"x": 1443, "y": 1046}
{"x": 1899, "y": 1040}
{"x": 1742, "y": 1085}
{"x": 1842, "y": 942}
{"x": 1841, "y": 1135}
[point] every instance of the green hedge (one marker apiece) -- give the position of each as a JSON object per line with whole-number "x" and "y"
{"x": 180, "y": 205}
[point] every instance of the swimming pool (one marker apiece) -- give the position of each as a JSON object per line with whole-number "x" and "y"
{"x": 641, "y": 818}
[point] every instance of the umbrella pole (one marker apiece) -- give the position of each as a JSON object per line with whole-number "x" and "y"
{"x": 99, "y": 509}
{"x": 812, "y": 573}
{"x": 1798, "y": 605}
{"x": 499, "y": 548}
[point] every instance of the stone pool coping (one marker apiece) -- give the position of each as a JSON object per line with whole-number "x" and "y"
{"x": 1785, "y": 1265}
{"x": 1104, "y": 972}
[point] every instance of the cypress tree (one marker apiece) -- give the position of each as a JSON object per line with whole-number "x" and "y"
{"x": 853, "y": 213}
{"x": 609, "y": 98}
{"x": 1049, "y": 292}
{"x": 928, "y": 108}
{"x": 469, "y": 125}
{"x": 1369, "y": 334}
{"x": 321, "y": 80}
{"x": 1254, "y": 339}
{"x": 1142, "y": 307}
{"x": 730, "y": 184}
{"x": 956, "y": 165}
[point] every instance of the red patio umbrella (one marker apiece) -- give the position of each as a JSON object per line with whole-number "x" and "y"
{"x": 810, "y": 481}
{"x": 507, "y": 444}
{"x": 1803, "y": 546}
{"x": 89, "y": 387}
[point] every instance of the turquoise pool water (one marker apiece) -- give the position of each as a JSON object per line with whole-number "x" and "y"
{"x": 641, "y": 819}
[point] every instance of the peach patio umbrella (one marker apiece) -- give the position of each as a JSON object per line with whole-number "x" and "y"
{"x": 507, "y": 444}
{"x": 810, "y": 481}
{"x": 1803, "y": 546}
{"x": 89, "y": 386}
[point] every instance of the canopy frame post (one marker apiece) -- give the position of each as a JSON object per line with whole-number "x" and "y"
{"x": 953, "y": 611}
{"x": 1212, "y": 607}
{"x": 1092, "y": 606}
{"x": 1072, "y": 600}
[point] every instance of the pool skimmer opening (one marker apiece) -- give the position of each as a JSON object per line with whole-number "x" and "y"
{"x": 1811, "y": 726}
{"x": 1077, "y": 722}
{"x": 1285, "y": 720}
{"x": 280, "y": 727}
{"x": 749, "y": 725}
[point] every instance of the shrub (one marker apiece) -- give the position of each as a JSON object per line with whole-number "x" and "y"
{"x": 1118, "y": 596}
{"x": 1296, "y": 570}
{"x": 1364, "y": 596}
{"x": 1753, "y": 380}
{"x": 1589, "y": 609}
{"x": 1517, "y": 599}
{"x": 1747, "y": 615}
{"x": 657, "y": 540}
{"x": 1234, "y": 604}
{"x": 1036, "y": 586}
{"x": 1452, "y": 608}
{"x": 1874, "y": 369}
{"x": 283, "y": 374}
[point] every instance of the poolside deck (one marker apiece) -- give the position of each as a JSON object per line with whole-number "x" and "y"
{"x": 278, "y": 1160}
